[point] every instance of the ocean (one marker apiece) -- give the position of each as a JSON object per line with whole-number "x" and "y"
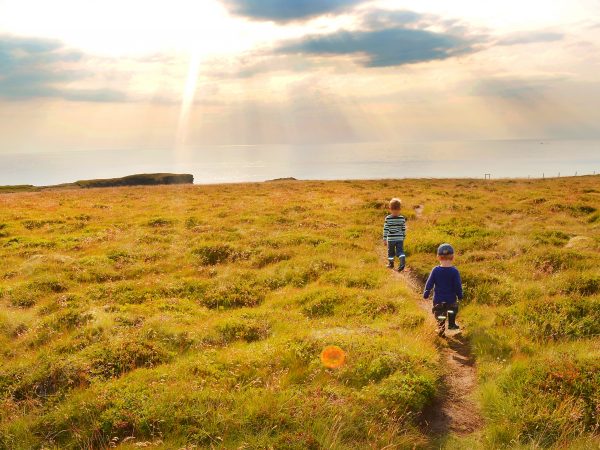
{"x": 231, "y": 164}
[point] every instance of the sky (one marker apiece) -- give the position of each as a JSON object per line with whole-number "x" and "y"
{"x": 180, "y": 74}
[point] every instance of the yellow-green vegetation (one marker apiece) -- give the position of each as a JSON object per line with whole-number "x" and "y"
{"x": 195, "y": 315}
{"x": 529, "y": 256}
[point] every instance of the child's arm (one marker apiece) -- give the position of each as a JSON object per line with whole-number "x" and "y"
{"x": 429, "y": 286}
{"x": 458, "y": 288}
{"x": 386, "y": 229}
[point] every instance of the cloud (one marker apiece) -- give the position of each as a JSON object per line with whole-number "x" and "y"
{"x": 530, "y": 37}
{"x": 287, "y": 10}
{"x": 522, "y": 90}
{"x": 42, "y": 68}
{"x": 384, "y": 48}
{"x": 381, "y": 18}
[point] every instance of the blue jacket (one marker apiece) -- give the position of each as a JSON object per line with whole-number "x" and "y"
{"x": 446, "y": 283}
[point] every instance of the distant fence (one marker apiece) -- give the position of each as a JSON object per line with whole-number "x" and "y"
{"x": 488, "y": 176}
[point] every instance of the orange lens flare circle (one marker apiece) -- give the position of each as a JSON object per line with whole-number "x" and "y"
{"x": 333, "y": 357}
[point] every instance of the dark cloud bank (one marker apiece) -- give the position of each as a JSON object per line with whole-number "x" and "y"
{"x": 383, "y": 48}
{"x": 287, "y": 10}
{"x": 35, "y": 68}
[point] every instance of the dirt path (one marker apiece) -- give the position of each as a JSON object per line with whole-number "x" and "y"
{"x": 454, "y": 410}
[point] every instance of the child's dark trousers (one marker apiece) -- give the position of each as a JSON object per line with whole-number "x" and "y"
{"x": 442, "y": 308}
{"x": 396, "y": 248}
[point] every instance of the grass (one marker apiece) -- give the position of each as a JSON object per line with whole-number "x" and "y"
{"x": 181, "y": 316}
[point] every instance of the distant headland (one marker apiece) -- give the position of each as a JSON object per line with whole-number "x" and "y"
{"x": 146, "y": 179}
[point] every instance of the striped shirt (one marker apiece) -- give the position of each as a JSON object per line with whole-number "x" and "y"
{"x": 394, "y": 228}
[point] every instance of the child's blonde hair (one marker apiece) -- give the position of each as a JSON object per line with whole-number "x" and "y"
{"x": 395, "y": 204}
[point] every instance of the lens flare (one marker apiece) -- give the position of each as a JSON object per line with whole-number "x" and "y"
{"x": 333, "y": 357}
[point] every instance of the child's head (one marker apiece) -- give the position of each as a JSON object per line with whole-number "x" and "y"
{"x": 445, "y": 253}
{"x": 395, "y": 205}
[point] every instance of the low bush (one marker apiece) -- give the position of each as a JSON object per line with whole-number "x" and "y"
{"x": 245, "y": 328}
{"x": 374, "y": 307}
{"x": 555, "y": 318}
{"x": 554, "y": 261}
{"x": 408, "y": 392}
{"x": 321, "y": 302}
{"x": 268, "y": 258}
{"x": 236, "y": 294}
{"x": 69, "y": 319}
{"x": 124, "y": 355}
{"x": 213, "y": 254}
{"x": 544, "y": 402}
{"x": 551, "y": 237}
{"x": 583, "y": 285}
{"x": 298, "y": 275}
{"x": 160, "y": 222}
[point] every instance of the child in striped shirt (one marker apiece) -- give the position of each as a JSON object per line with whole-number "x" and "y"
{"x": 394, "y": 233}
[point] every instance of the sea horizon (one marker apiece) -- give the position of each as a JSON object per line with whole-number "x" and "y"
{"x": 235, "y": 163}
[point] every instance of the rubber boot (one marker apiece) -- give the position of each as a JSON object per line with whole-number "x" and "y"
{"x": 452, "y": 318}
{"x": 402, "y": 262}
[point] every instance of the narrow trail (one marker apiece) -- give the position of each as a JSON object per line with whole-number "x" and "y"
{"x": 454, "y": 410}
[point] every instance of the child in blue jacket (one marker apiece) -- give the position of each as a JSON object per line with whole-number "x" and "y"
{"x": 447, "y": 285}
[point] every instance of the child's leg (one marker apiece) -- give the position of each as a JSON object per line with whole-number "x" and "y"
{"x": 401, "y": 255}
{"x": 452, "y": 317}
{"x": 439, "y": 310}
{"x": 391, "y": 253}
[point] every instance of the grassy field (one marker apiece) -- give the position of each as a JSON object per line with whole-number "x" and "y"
{"x": 194, "y": 316}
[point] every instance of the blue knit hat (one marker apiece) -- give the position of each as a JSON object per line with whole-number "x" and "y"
{"x": 445, "y": 250}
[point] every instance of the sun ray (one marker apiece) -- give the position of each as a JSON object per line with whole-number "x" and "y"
{"x": 187, "y": 101}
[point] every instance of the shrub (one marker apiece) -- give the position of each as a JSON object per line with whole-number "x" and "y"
{"x": 361, "y": 280}
{"x": 320, "y": 302}
{"x": 120, "y": 256}
{"x": 245, "y": 329}
{"x": 594, "y": 218}
{"x": 298, "y": 275}
{"x": 551, "y": 237}
{"x": 555, "y": 318}
{"x": 121, "y": 356}
{"x": 375, "y": 308}
{"x": 20, "y": 299}
{"x": 36, "y": 224}
{"x": 553, "y": 261}
{"x": 48, "y": 285}
{"x": 574, "y": 210}
{"x": 45, "y": 378}
{"x": 192, "y": 222}
{"x": 380, "y": 366}
{"x": 486, "y": 289}
{"x": 160, "y": 222}
{"x": 583, "y": 285}
{"x": 545, "y": 401}
{"x": 233, "y": 295}
{"x": 408, "y": 392}
{"x": 213, "y": 254}
{"x": 266, "y": 259}
{"x": 21, "y": 296}
{"x": 70, "y": 319}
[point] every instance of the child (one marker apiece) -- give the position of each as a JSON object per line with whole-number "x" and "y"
{"x": 394, "y": 233}
{"x": 445, "y": 278}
